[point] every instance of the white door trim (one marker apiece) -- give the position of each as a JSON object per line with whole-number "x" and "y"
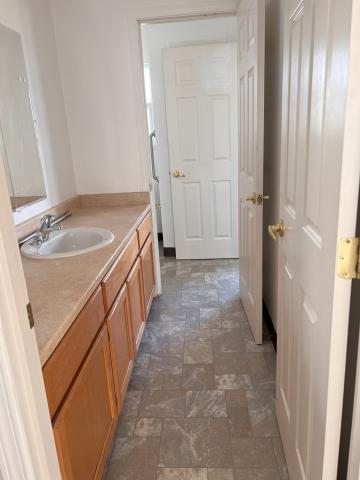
{"x": 27, "y": 447}
{"x": 351, "y": 153}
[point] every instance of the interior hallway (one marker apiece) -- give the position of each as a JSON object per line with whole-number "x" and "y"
{"x": 201, "y": 400}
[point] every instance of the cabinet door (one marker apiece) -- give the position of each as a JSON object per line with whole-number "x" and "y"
{"x": 121, "y": 344}
{"x": 148, "y": 274}
{"x": 85, "y": 424}
{"x": 136, "y": 302}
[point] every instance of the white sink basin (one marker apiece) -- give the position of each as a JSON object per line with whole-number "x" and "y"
{"x": 69, "y": 242}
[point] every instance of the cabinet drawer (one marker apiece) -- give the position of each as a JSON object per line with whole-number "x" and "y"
{"x": 144, "y": 229}
{"x": 116, "y": 276}
{"x": 60, "y": 370}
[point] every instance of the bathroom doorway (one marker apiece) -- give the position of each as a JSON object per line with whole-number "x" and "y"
{"x": 192, "y": 121}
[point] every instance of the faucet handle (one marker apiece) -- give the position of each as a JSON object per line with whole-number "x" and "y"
{"x": 46, "y": 220}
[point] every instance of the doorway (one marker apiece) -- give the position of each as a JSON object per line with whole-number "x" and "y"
{"x": 190, "y": 84}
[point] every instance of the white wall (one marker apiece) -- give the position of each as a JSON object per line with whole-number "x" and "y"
{"x": 100, "y": 60}
{"x": 32, "y": 19}
{"x": 272, "y": 148}
{"x": 156, "y": 37}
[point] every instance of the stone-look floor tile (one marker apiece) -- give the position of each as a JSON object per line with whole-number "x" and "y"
{"x": 166, "y": 301}
{"x": 210, "y": 318}
{"x": 256, "y": 474}
{"x": 198, "y": 377}
{"x": 270, "y": 359}
{"x": 200, "y": 305}
{"x": 239, "y": 422}
{"x": 176, "y": 347}
{"x": 148, "y": 427}
{"x": 197, "y": 334}
{"x": 257, "y": 362}
{"x": 196, "y": 442}
{"x": 198, "y": 352}
{"x": 154, "y": 347}
{"x": 165, "y": 364}
{"x": 262, "y": 413}
{"x": 228, "y": 340}
{"x": 182, "y": 474}
{"x": 207, "y": 297}
{"x": 162, "y": 403}
{"x": 172, "y": 315}
{"x": 125, "y": 427}
{"x": 131, "y": 404}
{"x": 232, "y": 381}
{"x": 280, "y": 458}
{"x": 205, "y": 403}
{"x": 264, "y": 381}
{"x": 220, "y": 474}
{"x": 231, "y": 362}
{"x": 141, "y": 364}
{"x": 236, "y": 398}
{"x": 193, "y": 318}
{"x": 156, "y": 382}
{"x": 196, "y": 281}
{"x": 253, "y": 452}
{"x": 231, "y": 318}
{"x": 134, "y": 458}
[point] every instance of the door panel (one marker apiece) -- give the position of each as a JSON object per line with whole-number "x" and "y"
{"x": 311, "y": 339}
{"x": 251, "y": 64}
{"x": 147, "y": 269}
{"x": 136, "y": 303}
{"x": 201, "y": 112}
{"x": 84, "y": 426}
{"x": 121, "y": 344}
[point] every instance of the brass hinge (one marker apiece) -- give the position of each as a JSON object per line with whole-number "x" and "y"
{"x": 348, "y": 265}
{"x": 30, "y": 315}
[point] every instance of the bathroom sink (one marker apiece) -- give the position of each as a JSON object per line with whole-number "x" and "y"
{"x": 69, "y": 242}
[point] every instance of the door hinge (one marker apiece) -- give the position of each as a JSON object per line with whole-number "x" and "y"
{"x": 348, "y": 265}
{"x": 30, "y": 315}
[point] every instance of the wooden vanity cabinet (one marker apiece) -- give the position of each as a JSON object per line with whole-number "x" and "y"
{"x": 121, "y": 344}
{"x": 87, "y": 375}
{"x": 85, "y": 424}
{"x": 148, "y": 273}
{"x": 136, "y": 302}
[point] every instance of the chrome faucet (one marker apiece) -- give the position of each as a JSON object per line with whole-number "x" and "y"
{"x": 42, "y": 234}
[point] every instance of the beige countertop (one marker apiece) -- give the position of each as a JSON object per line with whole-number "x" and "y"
{"x": 59, "y": 289}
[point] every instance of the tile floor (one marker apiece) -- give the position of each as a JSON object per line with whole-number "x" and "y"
{"x": 201, "y": 400}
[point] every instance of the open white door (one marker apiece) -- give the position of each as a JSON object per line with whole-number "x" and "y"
{"x": 251, "y": 71}
{"x": 202, "y": 124}
{"x": 318, "y": 202}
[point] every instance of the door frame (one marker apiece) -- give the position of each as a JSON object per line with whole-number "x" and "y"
{"x": 136, "y": 16}
{"x": 28, "y": 449}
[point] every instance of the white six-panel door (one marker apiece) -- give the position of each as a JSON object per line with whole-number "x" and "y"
{"x": 313, "y": 303}
{"x": 201, "y": 105}
{"x": 251, "y": 65}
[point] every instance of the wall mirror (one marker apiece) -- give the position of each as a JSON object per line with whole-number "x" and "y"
{"x": 18, "y": 142}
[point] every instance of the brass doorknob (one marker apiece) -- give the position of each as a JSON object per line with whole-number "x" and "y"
{"x": 257, "y": 198}
{"x": 178, "y": 174}
{"x": 251, "y": 198}
{"x": 278, "y": 229}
